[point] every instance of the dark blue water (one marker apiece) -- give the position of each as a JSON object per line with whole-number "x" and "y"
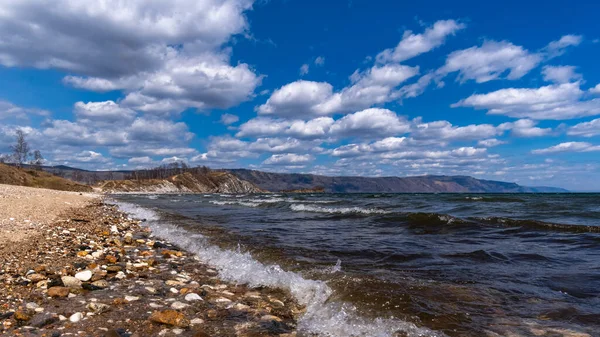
{"x": 463, "y": 265}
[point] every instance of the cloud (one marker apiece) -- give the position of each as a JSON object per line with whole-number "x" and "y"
{"x": 595, "y": 90}
{"x": 165, "y": 56}
{"x": 559, "y": 47}
{"x": 75, "y": 134}
{"x": 490, "y": 142}
{"x": 228, "y": 119}
{"x": 320, "y": 61}
{"x": 556, "y": 101}
{"x": 525, "y": 128}
{"x": 585, "y": 129}
{"x": 288, "y": 159}
{"x": 307, "y": 98}
{"x": 314, "y": 128}
{"x": 158, "y": 131}
{"x": 370, "y": 123}
{"x": 568, "y": 147}
{"x": 560, "y": 74}
{"x": 304, "y": 69}
{"x": 444, "y": 130}
{"x": 140, "y": 160}
{"x": 413, "y": 45}
{"x": 114, "y": 38}
{"x": 490, "y": 61}
{"x": 460, "y": 152}
{"x": 10, "y": 110}
{"x": 150, "y": 150}
{"x": 103, "y": 112}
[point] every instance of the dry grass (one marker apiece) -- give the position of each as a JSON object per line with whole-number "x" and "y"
{"x": 11, "y": 175}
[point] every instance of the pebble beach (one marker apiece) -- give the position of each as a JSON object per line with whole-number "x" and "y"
{"x": 72, "y": 264}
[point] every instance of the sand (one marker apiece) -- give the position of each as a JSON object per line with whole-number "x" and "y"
{"x": 24, "y": 209}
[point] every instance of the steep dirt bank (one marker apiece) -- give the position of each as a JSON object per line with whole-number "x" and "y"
{"x": 211, "y": 182}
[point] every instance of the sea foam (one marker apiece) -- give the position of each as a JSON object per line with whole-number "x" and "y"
{"x": 335, "y": 210}
{"x": 322, "y": 317}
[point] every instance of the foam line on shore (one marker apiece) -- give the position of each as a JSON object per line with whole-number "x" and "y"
{"x": 322, "y": 317}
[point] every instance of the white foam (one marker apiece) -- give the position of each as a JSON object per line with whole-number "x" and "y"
{"x": 335, "y": 210}
{"x": 322, "y": 317}
{"x": 240, "y": 203}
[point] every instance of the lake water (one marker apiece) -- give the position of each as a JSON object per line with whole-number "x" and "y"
{"x": 403, "y": 264}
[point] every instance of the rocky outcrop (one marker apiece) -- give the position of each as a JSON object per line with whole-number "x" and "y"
{"x": 211, "y": 182}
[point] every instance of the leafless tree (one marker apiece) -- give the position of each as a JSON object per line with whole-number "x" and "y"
{"x": 77, "y": 176}
{"x": 37, "y": 160}
{"x": 21, "y": 149}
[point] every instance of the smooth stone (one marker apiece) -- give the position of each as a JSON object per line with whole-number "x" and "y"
{"x": 58, "y": 292}
{"x": 76, "y": 317}
{"x": 31, "y": 306}
{"x": 193, "y": 297}
{"x": 178, "y": 305}
{"x": 71, "y": 282}
{"x": 131, "y": 298}
{"x": 84, "y": 276}
{"x": 170, "y": 317}
{"x": 100, "y": 284}
{"x": 98, "y": 308}
{"x": 197, "y": 321}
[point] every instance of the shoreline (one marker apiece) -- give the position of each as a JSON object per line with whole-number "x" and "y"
{"x": 93, "y": 271}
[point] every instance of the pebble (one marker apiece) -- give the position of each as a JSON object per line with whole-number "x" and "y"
{"x": 84, "y": 276}
{"x": 131, "y": 298}
{"x": 71, "y": 282}
{"x": 178, "y": 305}
{"x": 196, "y": 321}
{"x": 76, "y": 317}
{"x": 193, "y": 297}
{"x": 170, "y": 317}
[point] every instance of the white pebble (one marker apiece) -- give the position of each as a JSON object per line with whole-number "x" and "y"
{"x": 84, "y": 276}
{"x": 131, "y": 298}
{"x": 76, "y": 317}
{"x": 179, "y": 305}
{"x": 193, "y": 297}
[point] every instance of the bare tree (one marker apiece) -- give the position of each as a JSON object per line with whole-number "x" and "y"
{"x": 20, "y": 149}
{"x": 3, "y": 158}
{"x": 37, "y": 160}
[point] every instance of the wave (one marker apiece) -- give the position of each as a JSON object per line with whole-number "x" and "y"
{"x": 540, "y": 225}
{"x": 322, "y": 317}
{"x": 492, "y": 199}
{"x": 336, "y": 210}
{"x": 240, "y": 203}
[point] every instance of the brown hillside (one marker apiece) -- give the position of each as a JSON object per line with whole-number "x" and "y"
{"x": 11, "y": 175}
{"x": 211, "y": 182}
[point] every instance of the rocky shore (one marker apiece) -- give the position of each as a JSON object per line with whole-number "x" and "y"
{"x": 94, "y": 271}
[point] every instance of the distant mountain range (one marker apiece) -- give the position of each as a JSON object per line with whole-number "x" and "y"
{"x": 276, "y": 182}
{"x": 420, "y": 184}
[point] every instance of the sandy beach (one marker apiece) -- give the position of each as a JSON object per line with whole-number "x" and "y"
{"x": 72, "y": 265}
{"x": 23, "y": 209}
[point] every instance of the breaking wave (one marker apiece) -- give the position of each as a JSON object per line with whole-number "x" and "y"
{"x": 322, "y": 317}
{"x": 336, "y": 210}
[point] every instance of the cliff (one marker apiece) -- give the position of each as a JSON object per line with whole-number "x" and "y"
{"x": 211, "y": 182}
{"x": 420, "y": 184}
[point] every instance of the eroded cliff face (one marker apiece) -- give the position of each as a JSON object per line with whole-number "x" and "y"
{"x": 212, "y": 182}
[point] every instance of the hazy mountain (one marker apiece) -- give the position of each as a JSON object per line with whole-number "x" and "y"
{"x": 420, "y": 184}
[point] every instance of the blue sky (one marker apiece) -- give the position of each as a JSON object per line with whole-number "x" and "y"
{"x": 505, "y": 92}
